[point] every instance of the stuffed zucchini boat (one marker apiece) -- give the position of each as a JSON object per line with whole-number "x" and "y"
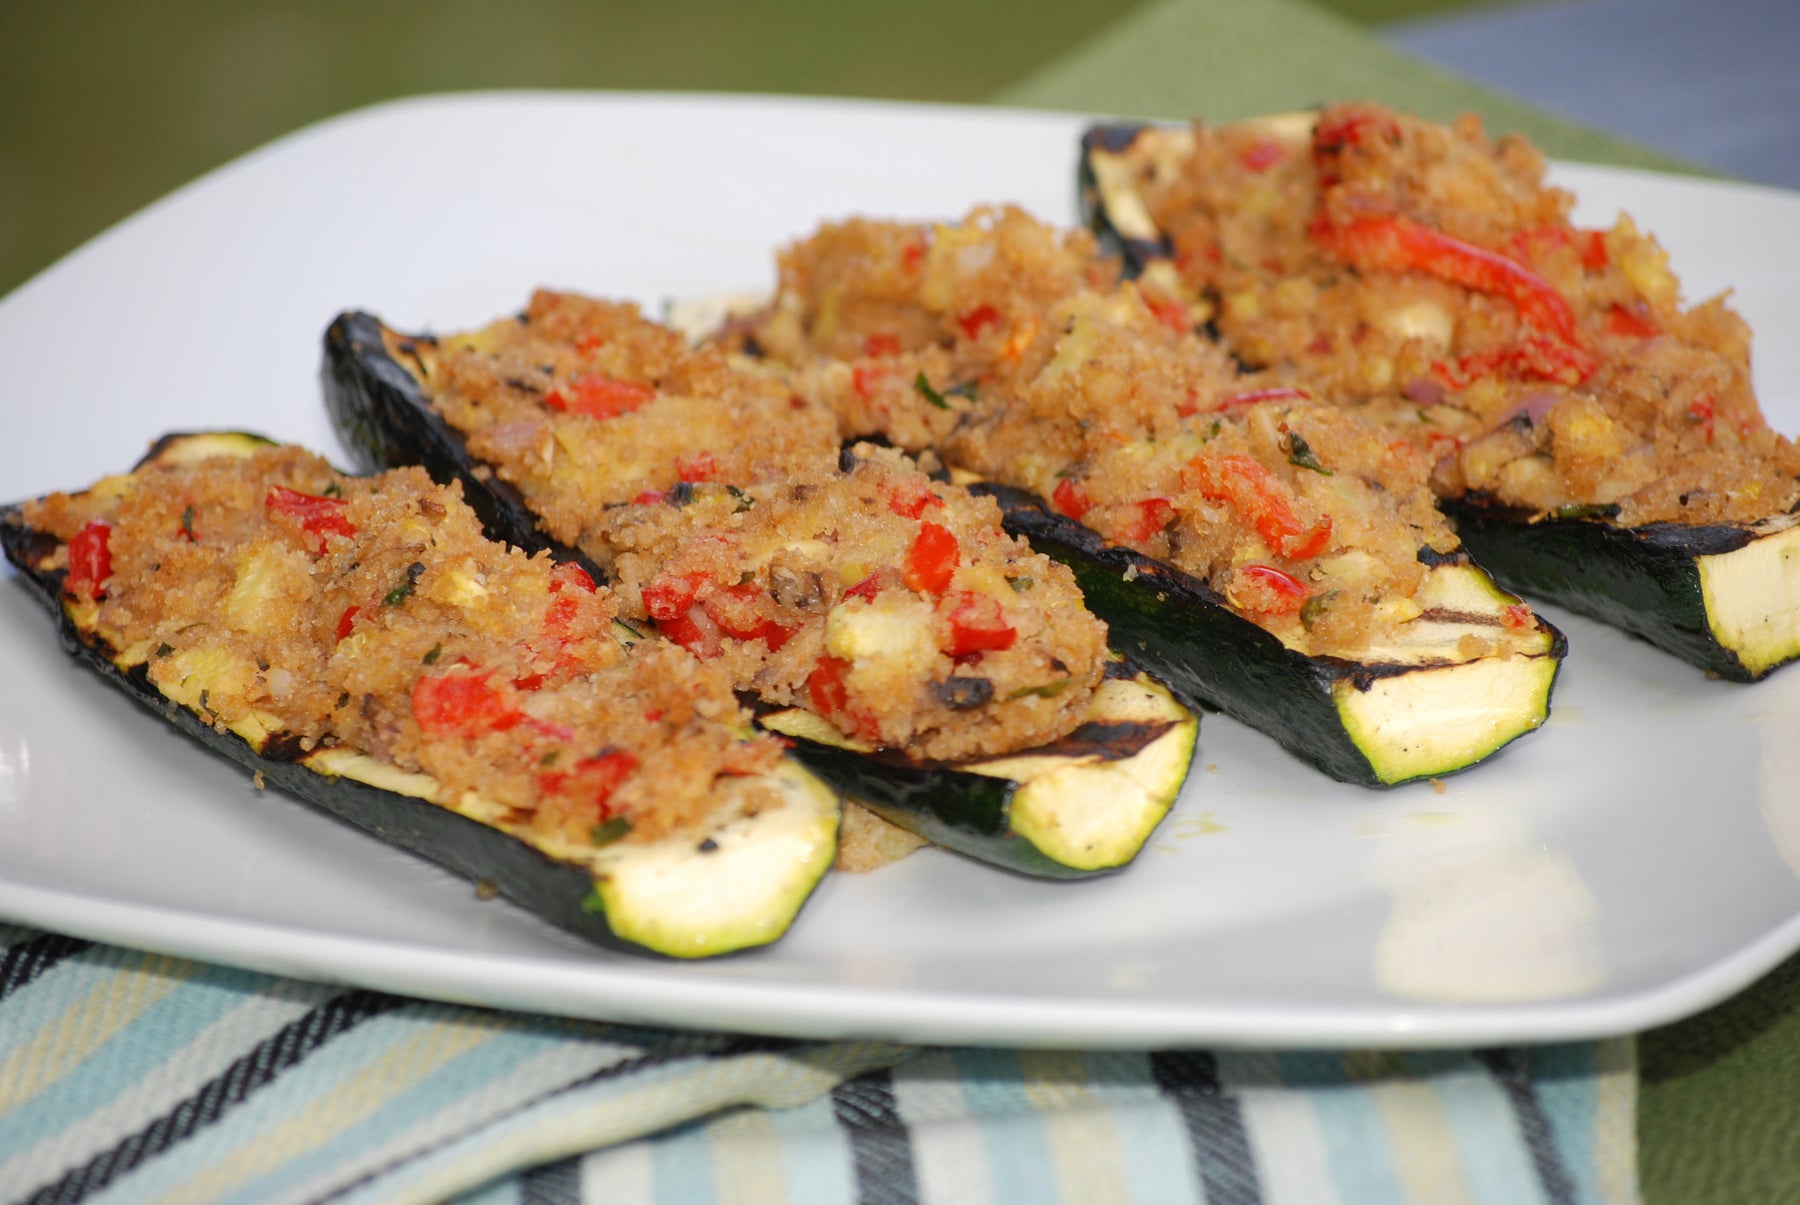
{"x": 1597, "y": 442}
{"x": 881, "y": 614}
{"x": 358, "y": 643}
{"x": 1280, "y": 559}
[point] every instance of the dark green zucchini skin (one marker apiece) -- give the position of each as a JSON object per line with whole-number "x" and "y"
{"x": 1183, "y": 631}
{"x": 557, "y": 891}
{"x": 380, "y": 411}
{"x": 1640, "y": 579}
{"x": 384, "y": 421}
{"x": 553, "y": 890}
{"x": 962, "y": 810}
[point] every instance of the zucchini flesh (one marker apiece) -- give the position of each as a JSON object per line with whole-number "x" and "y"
{"x": 381, "y": 411}
{"x": 1721, "y": 596}
{"x": 1407, "y": 712}
{"x": 737, "y": 884}
{"x": 1724, "y": 597}
{"x": 1084, "y": 805}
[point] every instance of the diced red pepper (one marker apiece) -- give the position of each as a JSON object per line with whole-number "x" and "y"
{"x": 697, "y": 466}
{"x": 977, "y": 320}
{"x": 1632, "y": 322}
{"x": 667, "y": 597}
{"x": 1705, "y": 412}
{"x": 568, "y": 573}
{"x": 601, "y": 397}
{"x": 1153, "y": 514}
{"x": 826, "y": 686}
{"x": 347, "y": 621}
{"x": 932, "y": 559}
{"x": 593, "y": 778}
{"x": 866, "y": 379}
{"x": 1398, "y": 244}
{"x": 912, "y": 499}
{"x": 912, "y": 256}
{"x": 90, "y": 559}
{"x": 1261, "y": 155}
{"x": 1516, "y": 616}
{"x": 1268, "y": 590}
{"x": 977, "y": 624}
{"x": 882, "y": 343}
{"x": 1593, "y": 250}
{"x": 1256, "y": 494}
{"x": 461, "y": 705}
{"x": 318, "y": 515}
{"x": 650, "y": 498}
{"x": 1070, "y": 499}
{"x": 694, "y": 630}
{"x": 1168, "y": 311}
{"x": 738, "y": 612}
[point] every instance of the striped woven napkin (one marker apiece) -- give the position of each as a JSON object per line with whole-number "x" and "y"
{"x": 134, "y": 1077}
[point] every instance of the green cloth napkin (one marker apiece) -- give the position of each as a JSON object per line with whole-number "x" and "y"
{"x": 1719, "y": 1093}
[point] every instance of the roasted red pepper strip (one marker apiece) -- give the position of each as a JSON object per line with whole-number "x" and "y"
{"x": 738, "y": 612}
{"x": 1255, "y": 494}
{"x": 932, "y": 559}
{"x": 1399, "y": 244}
{"x": 90, "y": 559}
{"x": 977, "y": 624}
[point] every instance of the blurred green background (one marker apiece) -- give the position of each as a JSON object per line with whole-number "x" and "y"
{"x": 106, "y": 105}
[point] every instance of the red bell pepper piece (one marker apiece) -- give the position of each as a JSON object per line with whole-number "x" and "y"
{"x": 977, "y": 624}
{"x": 461, "y": 705}
{"x": 1071, "y": 499}
{"x": 977, "y": 320}
{"x": 913, "y": 499}
{"x": 1635, "y": 323}
{"x": 1153, "y": 514}
{"x": 90, "y": 559}
{"x": 882, "y": 343}
{"x": 594, "y": 778}
{"x": 1256, "y": 397}
{"x": 601, "y": 397}
{"x": 932, "y": 559}
{"x": 697, "y": 466}
{"x": 737, "y": 611}
{"x": 1269, "y": 590}
{"x": 1256, "y": 494}
{"x": 319, "y": 516}
{"x": 1261, "y": 155}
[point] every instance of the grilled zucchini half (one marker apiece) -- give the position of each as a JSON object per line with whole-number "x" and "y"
{"x": 1722, "y": 596}
{"x": 1078, "y": 807}
{"x": 733, "y": 883}
{"x": 1415, "y": 710}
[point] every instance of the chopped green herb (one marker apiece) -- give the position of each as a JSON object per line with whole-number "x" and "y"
{"x": 437, "y": 650}
{"x": 928, "y": 393}
{"x": 1020, "y": 584}
{"x": 187, "y": 522}
{"x": 1300, "y": 454}
{"x": 745, "y": 501}
{"x": 164, "y": 649}
{"x": 1312, "y": 608}
{"x": 549, "y": 759}
{"x": 398, "y": 594}
{"x": 334, "y": 490}
{"x": 343, "y": 699}
{"x": 608, "y": 831}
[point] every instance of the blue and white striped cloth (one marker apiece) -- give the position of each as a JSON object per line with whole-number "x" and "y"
{"x": 135, "y": 1077}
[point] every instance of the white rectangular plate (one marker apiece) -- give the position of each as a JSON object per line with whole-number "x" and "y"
{"x": 1637, "y": 859}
